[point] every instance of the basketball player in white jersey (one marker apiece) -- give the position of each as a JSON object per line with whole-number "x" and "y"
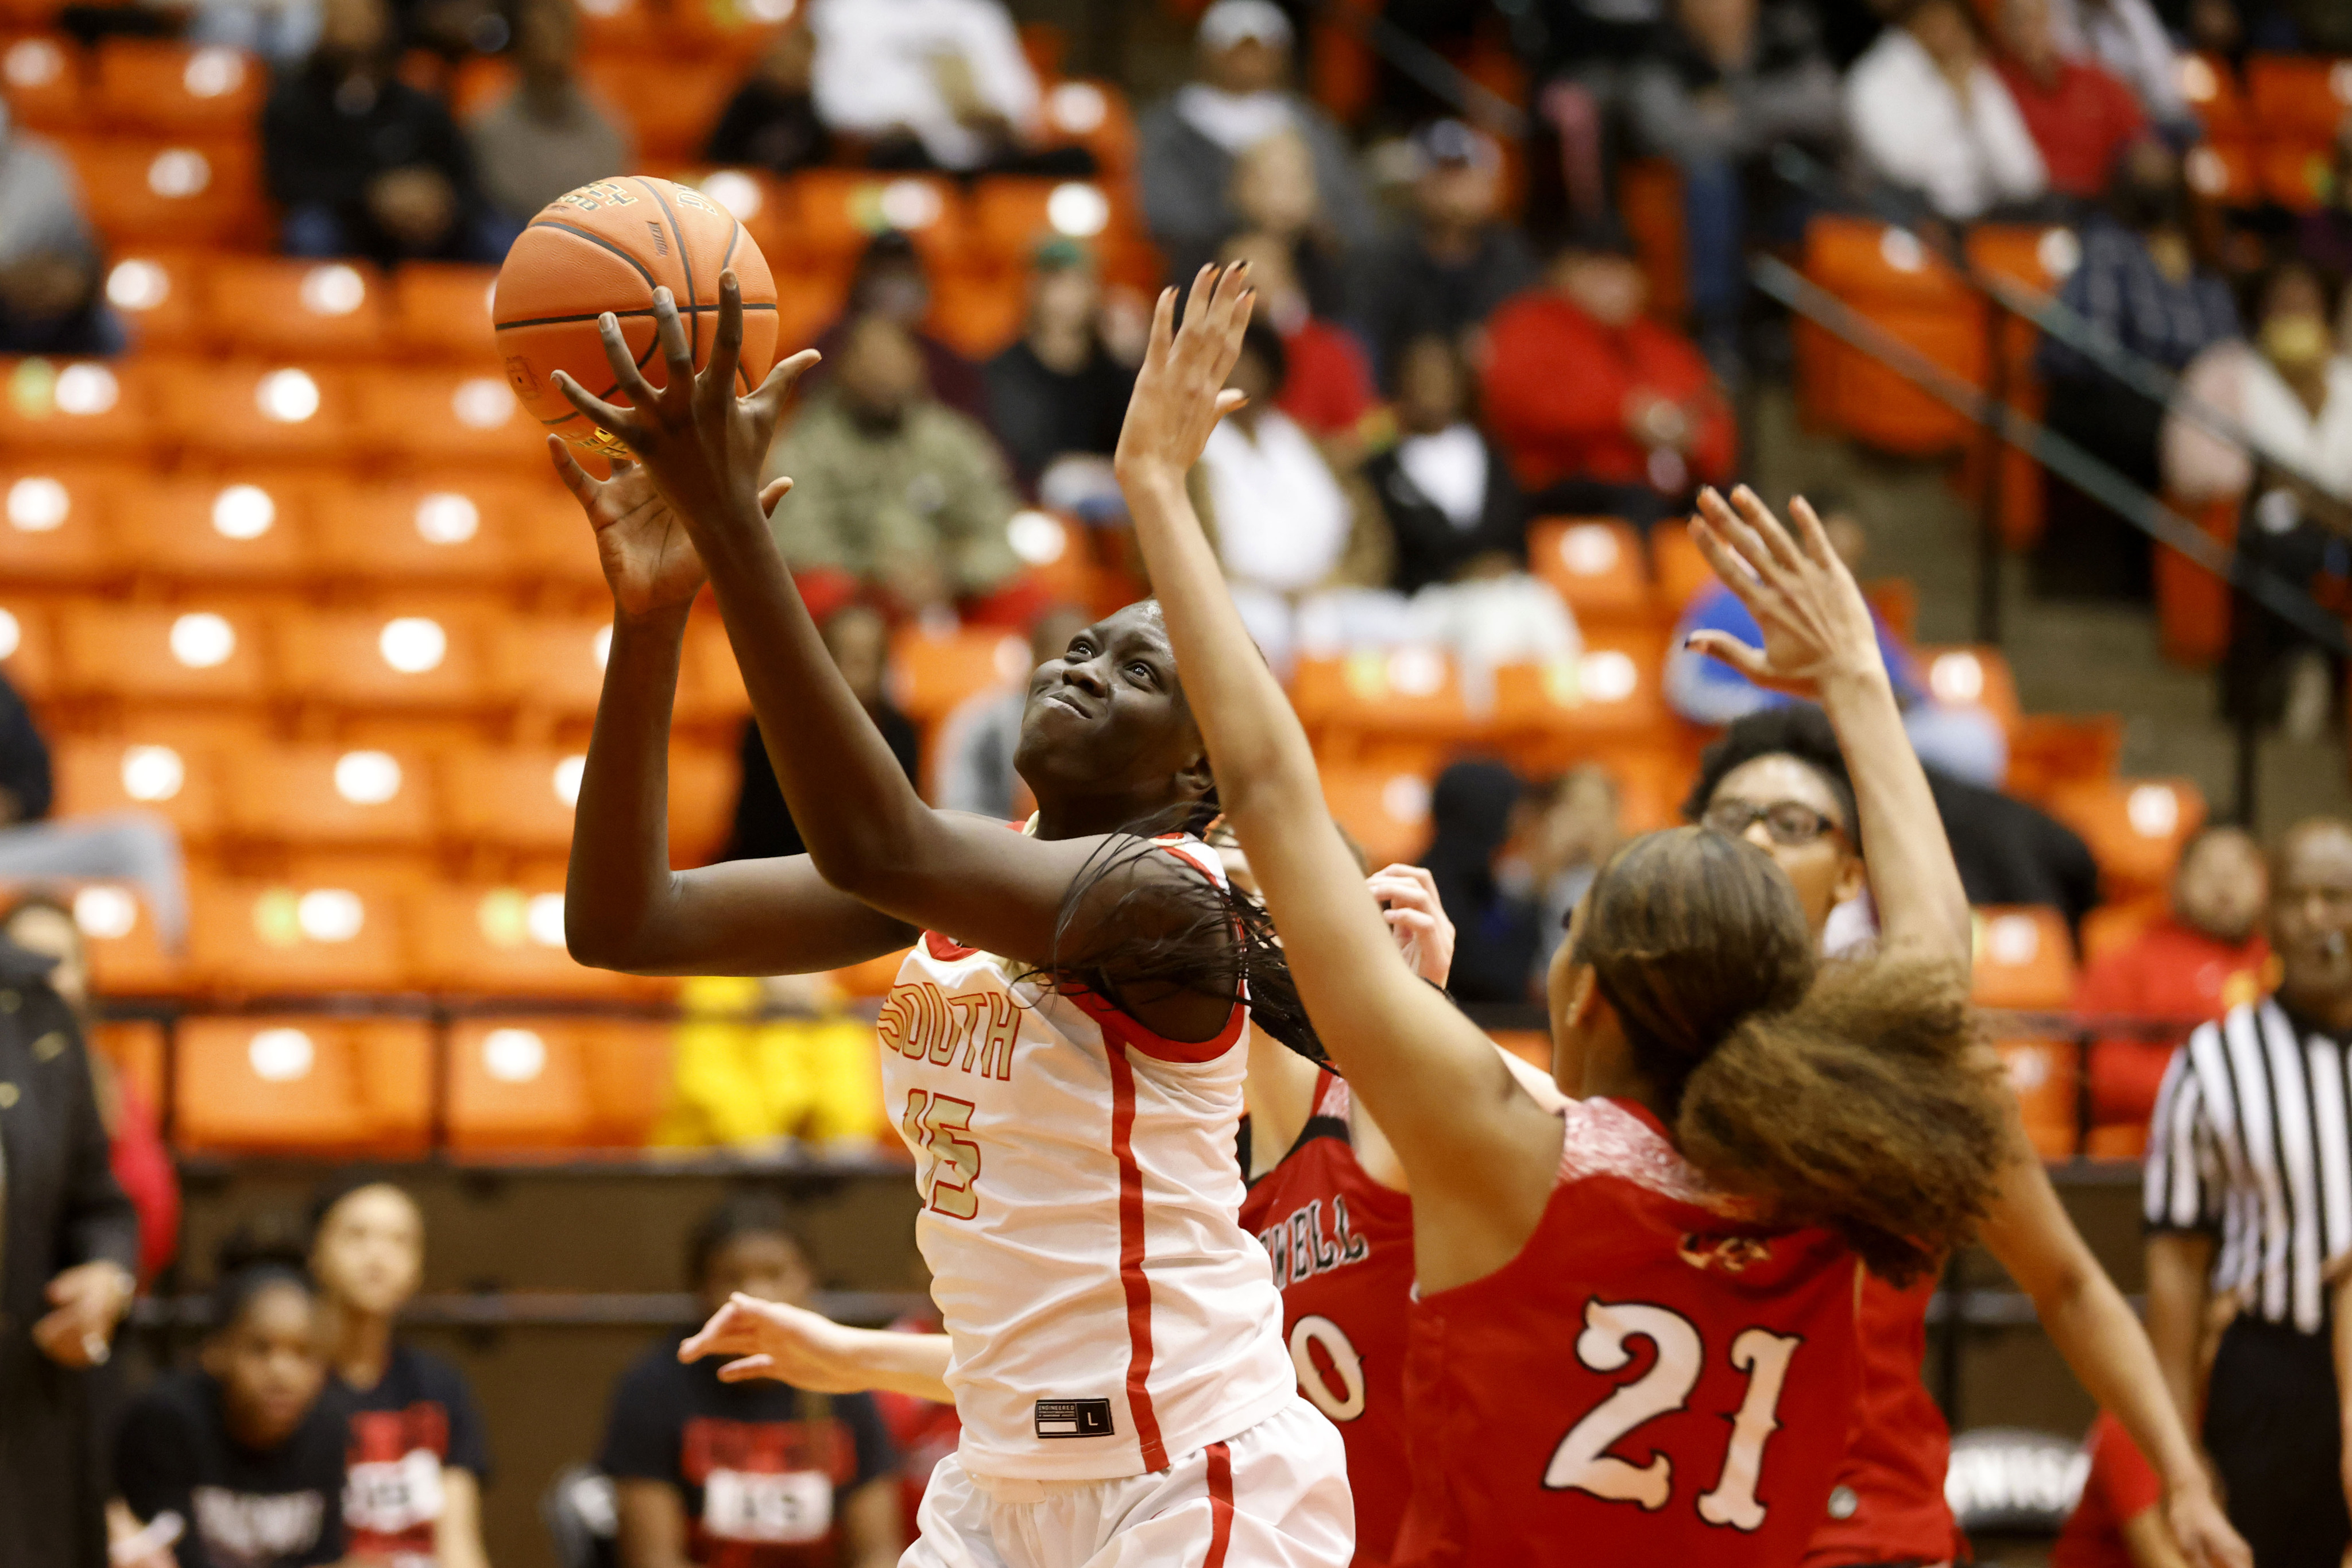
{"x": 1065, "y": 1050}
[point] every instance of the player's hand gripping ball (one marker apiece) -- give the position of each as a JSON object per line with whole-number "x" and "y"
{"x": 607, "y": 247}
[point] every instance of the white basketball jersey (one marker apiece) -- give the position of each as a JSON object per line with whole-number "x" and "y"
{"x": 1108, "y": 1312}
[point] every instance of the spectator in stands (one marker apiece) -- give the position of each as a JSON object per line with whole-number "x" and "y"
{"x": 1305, "y": 552}
{"x": 1057, "y": 395}
{"x": 2127, "y": 37}
{"x": 68, "y": 1242}
{"x": 972, "y": 761}
{"x": 2142, "y": 287}
{"x": 240, "y": 1457}
{"x": 1578, "y": 824}
{"x": 1930, "y": 117}
{"x": 142, "y": 1164}
{"x": 1273, "y": 195}
{"x": 123, "y": 846}
{"x": 549, "y": 135}
{"x": 361, "y": 162}
{"x": 1329, "y": 387}
{"x": 892, "y": 281}
{"x": 771, "y": 122}
{"x": 859, "y": 641}
{"x": 939, "y": 84}
{"x": 1474, "y": 815}
{"x": 896, "y": 496}
{"x": 417, "y": 1451}
{"x": 1638, "y": 426}
{"x": 1579, "y": 56}
{"x": 2290, "y": 392}
{"x": 2081, "y": 114}
{"x": 1961, "y": 741}
{"x": 1729, "y": 81}
{"x": 50, "y": 261}
{"x": 2198, "y": 960}
{"x": 2249, "y": 1133}
{"x": 2325, "y": 233}
{"x": 1449, "y": 268}
{"x": 677, "y": 1432}
{"x": 1239, "y": 97}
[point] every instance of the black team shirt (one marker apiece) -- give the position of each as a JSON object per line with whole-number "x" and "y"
{"x": 418, "y": 1421}
{"x": 239, "y": 1508}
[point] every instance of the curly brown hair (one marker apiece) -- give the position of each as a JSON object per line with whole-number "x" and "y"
{"x": 1843, "y": 1094}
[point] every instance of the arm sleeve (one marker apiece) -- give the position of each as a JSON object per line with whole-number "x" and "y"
{"x": 156, "y": 1472}
{"x": 877, "y": 1454}
{"x": 2015, "y": 162}
{"x": 2181, "y": 1181}
{"x": 24, "y": 756}
{"x": 645, "y": 1429}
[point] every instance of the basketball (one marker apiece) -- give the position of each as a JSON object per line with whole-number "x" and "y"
{"x": 607, "y": 247}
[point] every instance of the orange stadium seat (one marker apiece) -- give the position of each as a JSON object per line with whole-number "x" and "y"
{"x": 78, "y": 405}
{"x": 177, "y": 192}
{"x": 156, "y": 289}
{"x": 2136, "y": 827}
{"x": 710, "y": 685}
{"x": 331, "y": 795}
{"x": 2046, "y": 750}
{"x": 126, "y": 956}
{"x": 306, "y": 1085}
{"x": 307, "y": 309}
{"x": 173, "y": 90}
{"x": 703, "y": 784}
{"x": 1596, "y": 565}
{"x": 42, "y": 77}
{"x": 243, "y": 528}
{"x": 2192, "y": 605}
{"x": 505, "y": 940}
{"x": 133, "y": 1049}
{"x": 839, "y": 210}
{"x": 461, "y": 415}
{"x": 1616, "y": 688}
{"x": 671, "y": 110}
{"x": 153, "y": 653}
{"x": 2112, "y": 928}
{"x": 2224, "y": 169}
{"x": 553, "y": 541}
{"x": 2042, "y": 1074}
{"x": 443, "y": 310}
{"x": 526, "y": 1083}
{"x": 2211, "y": 85}
{"x": 1012, "y": 214}
{"x": 977, "y": 313}
{"x": 389, "y": 536}
{"x": 763, "y": 202}
{"x": 2025, "y": 959}
{"x": 932, "y": 674}
{"x": 1094, "y": 115}
{"x": 139, "y": 773}
{"x": 2305, "y": 96}
{"x": 551, "y": 664}
{"x": 255, "y": 410}
{"x": 1386, "y": 810}
{"x": 396, "y": 657}
{"x": 1893, "y": 280}
{"x": 516, "y": 800}
{"x": 1973, "y": 677}
{"x": 26, "y": 649}
{"x": 2298, "y": 175}
{"x": 279, "y": 938}
{"x": 1677, "y": 566}
{"x": 1409, "y": 698}
{"x": 61, "y": 520}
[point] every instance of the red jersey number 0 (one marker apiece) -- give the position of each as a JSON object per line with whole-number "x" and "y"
{"x": 1583, "y": 1462}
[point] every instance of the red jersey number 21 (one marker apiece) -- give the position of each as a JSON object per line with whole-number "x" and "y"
{"x": 932, "y": 1122}
{"x": 1583, "y": 1462}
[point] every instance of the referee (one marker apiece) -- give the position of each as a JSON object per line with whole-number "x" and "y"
{"x": 2248, "y": 1195}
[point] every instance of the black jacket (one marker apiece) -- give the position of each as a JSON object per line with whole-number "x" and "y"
{"x": 62, "y": 1208}
{"x": 1429, "y": 548}
{"x": 24, "y": 759}
{"x": 323, "y": 146}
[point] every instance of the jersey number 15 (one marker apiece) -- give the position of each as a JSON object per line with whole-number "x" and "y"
{"x": 1583, "y": 1462}
{"x": 949, "y": 1183}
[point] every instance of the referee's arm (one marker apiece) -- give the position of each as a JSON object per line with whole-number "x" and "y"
{"x": 2181, "y": 1208}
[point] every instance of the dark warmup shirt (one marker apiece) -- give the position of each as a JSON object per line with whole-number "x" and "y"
{"x": 241, "y": 1509}
{"x": 763, "y": 1468}
{"x": 418, "y": 1421}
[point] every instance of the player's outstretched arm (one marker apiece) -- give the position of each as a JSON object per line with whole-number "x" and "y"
{"x": 623, "y": 907}
{"x": 1819, "y": 642}
{"x": 810, "y": 1351}
{"x": 869, "y": 834}
{"x": 1479, "y": 1153}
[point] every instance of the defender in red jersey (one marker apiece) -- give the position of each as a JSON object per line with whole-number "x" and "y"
{"x": 1571, "y": 1395}
{"x": 1778, "y": 778}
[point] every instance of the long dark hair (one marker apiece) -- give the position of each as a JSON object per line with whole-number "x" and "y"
{"x": 1846, "y": 1096}
{"x": 1190, "y": 935}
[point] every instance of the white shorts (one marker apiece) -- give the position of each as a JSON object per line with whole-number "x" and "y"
{"x": 1275, "y": 1497}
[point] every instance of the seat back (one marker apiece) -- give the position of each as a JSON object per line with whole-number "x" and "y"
{"x": 2024, "y": 958}
{"x": 304, "y": 1083}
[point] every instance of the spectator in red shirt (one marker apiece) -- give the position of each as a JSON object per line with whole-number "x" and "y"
{"x": 2201, "y": 960}
{"x": 2119, "y": 1523}
{"x": 1601, "y": 408}
{"x": 2081, "y": 114}
{"x": 1330, "y": 387}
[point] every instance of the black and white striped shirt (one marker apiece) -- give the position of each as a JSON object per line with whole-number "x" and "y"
{"x": 2249, "y": 1140}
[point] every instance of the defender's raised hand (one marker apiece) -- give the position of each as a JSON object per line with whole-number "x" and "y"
{"x": 1815, "y": 622}
{"x": 701, "y": 444}
{"x": 1181, "y": 393}
{"x": 649, "y": 561}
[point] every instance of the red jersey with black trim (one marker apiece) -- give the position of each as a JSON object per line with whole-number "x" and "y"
{"x": 1342, "y": 1246}
{"x": 1889, "y": 1504}
{"x": 1656, "y": 1379}
{"x": 1106, "y": 1312}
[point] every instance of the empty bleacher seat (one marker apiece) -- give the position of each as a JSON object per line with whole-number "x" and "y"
{"x": 327, "y": 795}
{"x": 453, "y": 529}
{"x": 536, "y": 1083}
{"x": 2136, "y": 827}
{"x": 282, "y": 938}
{"x": 181, "y": 784}
{"x": 839, "y": 210}
{"x": 516, "y": 800}
{"x": 58, "y": 519}
{"x": 1901, "y": 287}
{"x": 551, "y": 664}
{"x": 304, "y": 1084}
{"x": 504, "y": 940}
{"x": 42, "y": 77}
{"x": 239, "y": 527}
{"x": 1973, "y": 676}
{"x": 1597, "y": 566}
{"x": 442, "y": 310}
{"x": 126, "y": 956}
{"x": 1615, "y": 688}
{"x": 2025, "y": 959}
{"x": 1386, "y": 810}
{"x": 932, "y": 674}
{"x": 61, "y": 408}
{"x": 171, "y": 192}
{"x": 307, "y": 309}
{"x": 157, "y": 293}
{"x": 2042, "y": 1074}
{"x": 160, "y": 654}
{"x": 465, "y": 415}
{"x": 396, "y": 657}
{"x": 255, "y": 410}
{"x": 167, "y": 89}
{"x": 26, "y": 647}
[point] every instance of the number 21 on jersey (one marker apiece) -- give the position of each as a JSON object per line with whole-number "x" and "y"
{"x": 1583, "y": 1462}
{"x": 932, "y": 1122}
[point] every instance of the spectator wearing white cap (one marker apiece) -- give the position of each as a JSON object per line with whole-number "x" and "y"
{"x": 1446, "y": 272}
{"x": 1239, "y": 97}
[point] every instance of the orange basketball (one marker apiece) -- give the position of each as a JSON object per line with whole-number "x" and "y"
{"x": 607, "y": 247}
